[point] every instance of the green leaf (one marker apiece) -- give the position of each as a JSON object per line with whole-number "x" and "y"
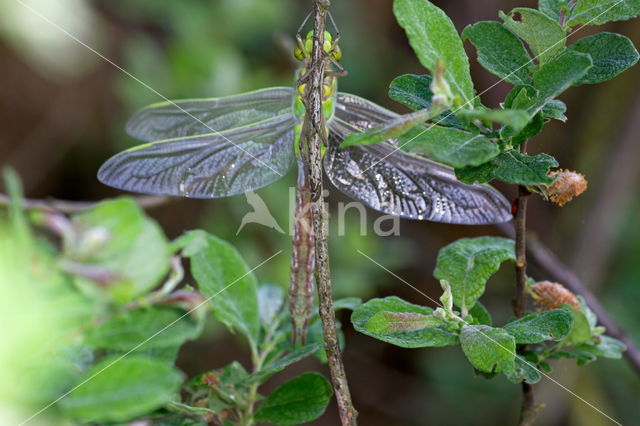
{"x": 389, "y": 130}
{"x": 224, "y": 278}
{"x": 514, "y": 118}
{"x": 500, "y": 52}
{"x": 385, "y": 322}
{"x": 430, "y": 336}
{"x": 611, "y": 54}
{"x": 350, "y": 303}
{"x": 524, "y": 371}
{"x": 117, "y": 390}
{"x": 604, "y": 346}
{"x": 448, "y": 145}
{"x": 412, "y": 90}
{"x": 188, "y": 410}
{"x": 135, "y": 252}
{"x": 467, "y": 264}
{"x": 290, "y": 358}
{"x": 598, "y": 12}
{"x": 299, "y": 400}
{"x": 433, "y": 37}
{"x": 144, "y": 329}
{"x": 551, "y": 8}
{"x": 270, "y": 303}
{"x": 545, "y": 37}
{"x": 511, "y": 167}
{"x": 541, "y": 326}
{"x": 491, "y": 350}
{"x": 557, "y": 76}
{"x": 480, "y": 314}
{"x": 555, "y": 109}
{"x": 580, "y": 329}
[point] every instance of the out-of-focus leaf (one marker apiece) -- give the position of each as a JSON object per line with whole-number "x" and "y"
{"x": 598, "y": 12}
{"x": 429, "y": 336}
{"x": 489, "y": 349}
{"x": 299, "y": 400}
{"x": 541, "y": 326}
{"x": 290, "y": 358}
{"x": 500, "y": 51}
{"x": 555, "y": 109}
{"x": 611, "y": 54}
{"x": 580, "y": 329}
{"x": 389, "y": 130}
{"x": 350, "y": 303}
{"x": 551, "y": 8}
{"x": 604, "y": 346}
{"x": 433, "y": 37}
{"x": 224, "y": 278}
{"x": 514, "y": 118}
{"x": 448, "y": 145}
{"x": 511, "y": 167}
{"x": 135, "y": 252}
{"x": 118, "y": 390}
{"x": 468, "y": 263}
{"x": 545, "y": 37}
{"x": 144, "y": 329}
{"x": 270, "y": 302}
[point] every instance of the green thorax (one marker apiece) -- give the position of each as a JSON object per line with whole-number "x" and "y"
{"x": 329, "y": 96}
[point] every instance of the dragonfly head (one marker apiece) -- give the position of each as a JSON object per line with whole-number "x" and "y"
{"x": 302, "y": 51}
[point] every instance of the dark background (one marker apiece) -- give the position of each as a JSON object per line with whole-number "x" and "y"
{"x": 62, "y": 111}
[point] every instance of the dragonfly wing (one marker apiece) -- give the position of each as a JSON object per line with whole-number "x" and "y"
{"x": 207, "y": 166}
{"x": 167, "y": 120}
{"x": 361, "y": 113}
{"x": 398, "y": 183}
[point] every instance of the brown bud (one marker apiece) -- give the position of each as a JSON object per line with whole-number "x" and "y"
{"x": 567, "y": 184}
{"x": 547, "y": 295}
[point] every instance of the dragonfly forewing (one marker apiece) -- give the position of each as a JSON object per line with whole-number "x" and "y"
{"x": 191, "y": 117}
{"x": 207, "y": 166}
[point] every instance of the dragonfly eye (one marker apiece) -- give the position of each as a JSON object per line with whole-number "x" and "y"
{"x": 298, "y": 53}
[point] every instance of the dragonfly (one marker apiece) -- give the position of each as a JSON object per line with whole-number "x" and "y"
{"x": 220, "y": 147}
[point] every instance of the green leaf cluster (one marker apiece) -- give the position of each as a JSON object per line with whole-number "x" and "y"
{"x": 110, "y": 287}
{"x": 527, "y": 49}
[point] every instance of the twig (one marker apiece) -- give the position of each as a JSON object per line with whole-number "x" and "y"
{"x": 67, "y": 207}
{"x": 311, "y": 158}
{"x": 528, "y": 407}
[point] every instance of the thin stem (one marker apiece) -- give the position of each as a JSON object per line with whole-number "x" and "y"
{"x": 311, "y": 155}
{"x": 68, "y": 207}
{"x": 562, "y": 19}
{"x": 528, "y": 407}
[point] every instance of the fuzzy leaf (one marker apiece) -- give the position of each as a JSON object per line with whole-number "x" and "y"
{"x": 500, "y": 51}
{"x": 580, "y": 329}
{"x": 224, "y": 277}
{"x": 514, "y": 118}
{"x": 511, "y": 167}
{"x": 480, "y": 314}
{"x": 299, "y": 400}
{"x": 491, "y": 350}
{"x": 389, "y": 130}
{"x": 385, "y": 322}
{"x": 429, "y": 336}
{"x": 156, "y": 327}
{"x": 448, "y": 145}
{"x": 541, "y": 326}
{"x": 270, "y": 303}
{"x": 524, "y": 371}
{"x": 122, "y": 389}
{"x": 604, "y": 347}
{"x": 611, "y": 54}
{"x": 557, "y": 76}
{"x": 412, "y": 90}
{"x": 433, "y": 37}
{"x": 555, "y": 109}
{"x": 598, "y": 12}
{"x": 545, "y": 37}
{"x": 468, "y": 263}
{"x": 551, "y": 8}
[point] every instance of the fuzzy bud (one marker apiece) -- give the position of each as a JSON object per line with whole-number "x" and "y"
{"x": 567, "y": 184}
{"x": 547, "y": 295}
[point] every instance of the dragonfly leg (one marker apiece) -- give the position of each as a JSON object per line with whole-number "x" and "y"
{"x": 341, "y": 72}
